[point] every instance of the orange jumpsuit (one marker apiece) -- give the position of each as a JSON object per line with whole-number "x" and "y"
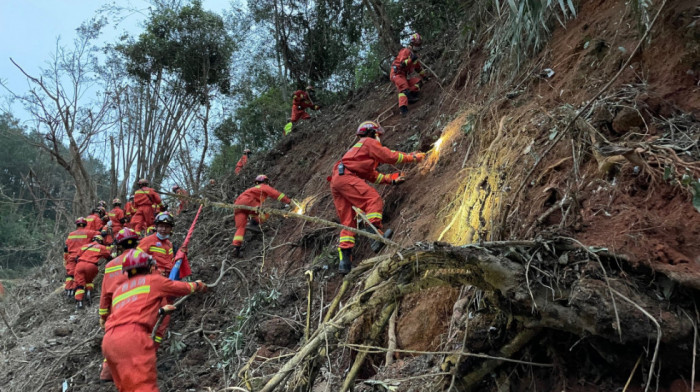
{"x": 129, "y": 212}
{"x": 86, "y": 268}
{"x": 243, "y": 161}
{"x": 115, "y": 216}
{"x": 147, "y": 203}
{"x": 183, "y": 201}
{"x": 75, "y": 241}
{"x": 403, "y": 66}
{"x": 94, "y": 222}
{"x": 301, "y": 101}
{"x": 127, "y": 344}
{"x": 350, "y": 189}
{"x": 253, "y": 197}
{"x": 162, "y": 252}
{"x": 113, "y": 277}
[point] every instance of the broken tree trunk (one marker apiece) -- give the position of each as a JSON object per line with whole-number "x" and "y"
{"x": 554, "y": 285}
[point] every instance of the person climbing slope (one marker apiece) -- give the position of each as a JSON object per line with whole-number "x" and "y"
{"x": 348, "y": 186}
{"x": 75, "y": 241}
{"x": 242, "y": 162}
{"x": 405, "y": 63}
{"x": 147, "y": 202}
{"x": 127, "y": 344}
{"x": 86, "y": 269}
{"x": 253, "y": 197}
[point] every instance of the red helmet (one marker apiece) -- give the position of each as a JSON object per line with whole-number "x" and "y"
{"x": 98, "y": 238}
{"x": 368, "y": 127}
{"x": 175, "y": 188}
{"x": 142, "y": 182}
{"x": 81, "y": 222}
{"x": 246, "y": 151}
{"x": 100, "y": 210}
{"x": 415, "y": 40}
{"x": 262, "y": 178}
{"x": 125, "y": 235}
{"x": 116, "y": 201}
{"x": 137, "y": 259}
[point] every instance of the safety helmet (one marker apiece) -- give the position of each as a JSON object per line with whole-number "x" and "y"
{"x": 175, "y": 188}
{"x": 246, "y": 151}
{"x": 81, "y": 222}
{"x": 125, "y": 235}
{"x": 415, "y": 40}
{"x": 98, "y": 238}
{"x": 212, "y": 181}
{"x": 369, "y": 127}
{"x": 310, "y": 88}
{"x": 262, "y": 178}
{"x": 116, "y": 201}
{"x": 131, "y": 197}
{"x": 137, "y": 259}
{"x": 165, "y": 217}
{"x": 142, "y": 182}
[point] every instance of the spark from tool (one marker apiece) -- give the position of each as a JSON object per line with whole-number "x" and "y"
{"x": 301, "y": 207}
{"x": 448, "y": 134}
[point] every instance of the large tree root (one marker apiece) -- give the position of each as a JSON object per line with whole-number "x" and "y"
{"x": 567, "y": 291}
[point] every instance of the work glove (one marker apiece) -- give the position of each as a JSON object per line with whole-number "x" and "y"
{"x": 397, "y": 178}
{"x": 201, "y": 286}
{"x": 424, "y": 75}
{"x": 102, "y": 323}
{"x": 317, "y": 107}
{"x": 418, "y": 156}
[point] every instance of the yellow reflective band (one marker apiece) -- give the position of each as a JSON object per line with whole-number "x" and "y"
{"x": 141, "y": 192}
{"x": 347, "y": 238}
{"x": 379, "y": 178}
{"x": 158, "y": 339}
{"x": 374, "y": 215}
{"x": 103, "y": 311}
{"x": 112, "y": 214}
{"x": 357, "y": 145}
{"x": 139, "y": 290}
{"x": 288, "y": 128}
{"x": 192, "y": 287}
{"x": 156, "y": 249}
{"x": 402, "y": 95}
{"x": 68, "y": 279}
{"x": 170, "y": 251}
{"x": 89, "y": 286}
{"x": 280, "y": 197}
{"x": 116, "y": 268}
{"x": 400, "y": 159}
{"x": 238, "y": 238}
{"x": 91, "y": 249}
{"x": 257, "y": 186}
{"x": 77, "y": 236}
{"x": 81, "y": 291}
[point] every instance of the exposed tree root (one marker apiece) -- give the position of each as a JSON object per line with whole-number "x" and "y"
{"x": 567, "y": 288}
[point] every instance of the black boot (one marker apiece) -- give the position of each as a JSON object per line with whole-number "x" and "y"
{"x": 403, "y": 110}
{"x": 345, "y": 257}
{"x": 236, "y": 251}
{"x": 378, "y": 245}
{"x": 412, "y": 97}
{"x": 79, "y": 305}
{"x": 88, "y": 297}
{"x": 253, "y": 226}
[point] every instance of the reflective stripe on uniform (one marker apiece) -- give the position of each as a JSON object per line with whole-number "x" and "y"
{"x": 380, "y": 177}
{"x": 374, "y": 215}
{"x": 400, "y": 159}
{"x": 139, "y": 290}
{"x": 192, "y": 287}
{"x": 79, "y": 291}
{"x": 402, "y": 95}
{"x": 69, "y": 278}
{"x": 238, "y": 238}
{"x": 115, "y": 268}
{"x": 103, "y": 311}
{"x": 156, "y": 249}
{"x": 90, "y": 249}
{"x": 89, "y": 285}
{"x": 347, "y": 238}
{"x": 357, "y": 145}
{"x": 158, "y": 339}
{"x": 280, "y": 197}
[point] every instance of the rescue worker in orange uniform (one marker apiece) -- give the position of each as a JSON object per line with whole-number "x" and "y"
{"x": 405, "y": 63}
{"x": 127, "y": 344}
{"x": 116, "y": 220}
{"x": 86, "y": 269}
{"x": 94, "y": 220}
{"x": 76, "y": 239}
{"x": 126, "y": 240}
{"x": 349, "y": 188}
{"x": 183, "y": 200}
{"x": 242, "y": 162}
{"x": 253, "y": 197}
{"x": 129, "y": 211}
{"x": 300, "y": 101}
{"x": 147, "y": 202}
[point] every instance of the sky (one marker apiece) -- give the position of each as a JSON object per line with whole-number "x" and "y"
{"x": 30, "y": 28}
